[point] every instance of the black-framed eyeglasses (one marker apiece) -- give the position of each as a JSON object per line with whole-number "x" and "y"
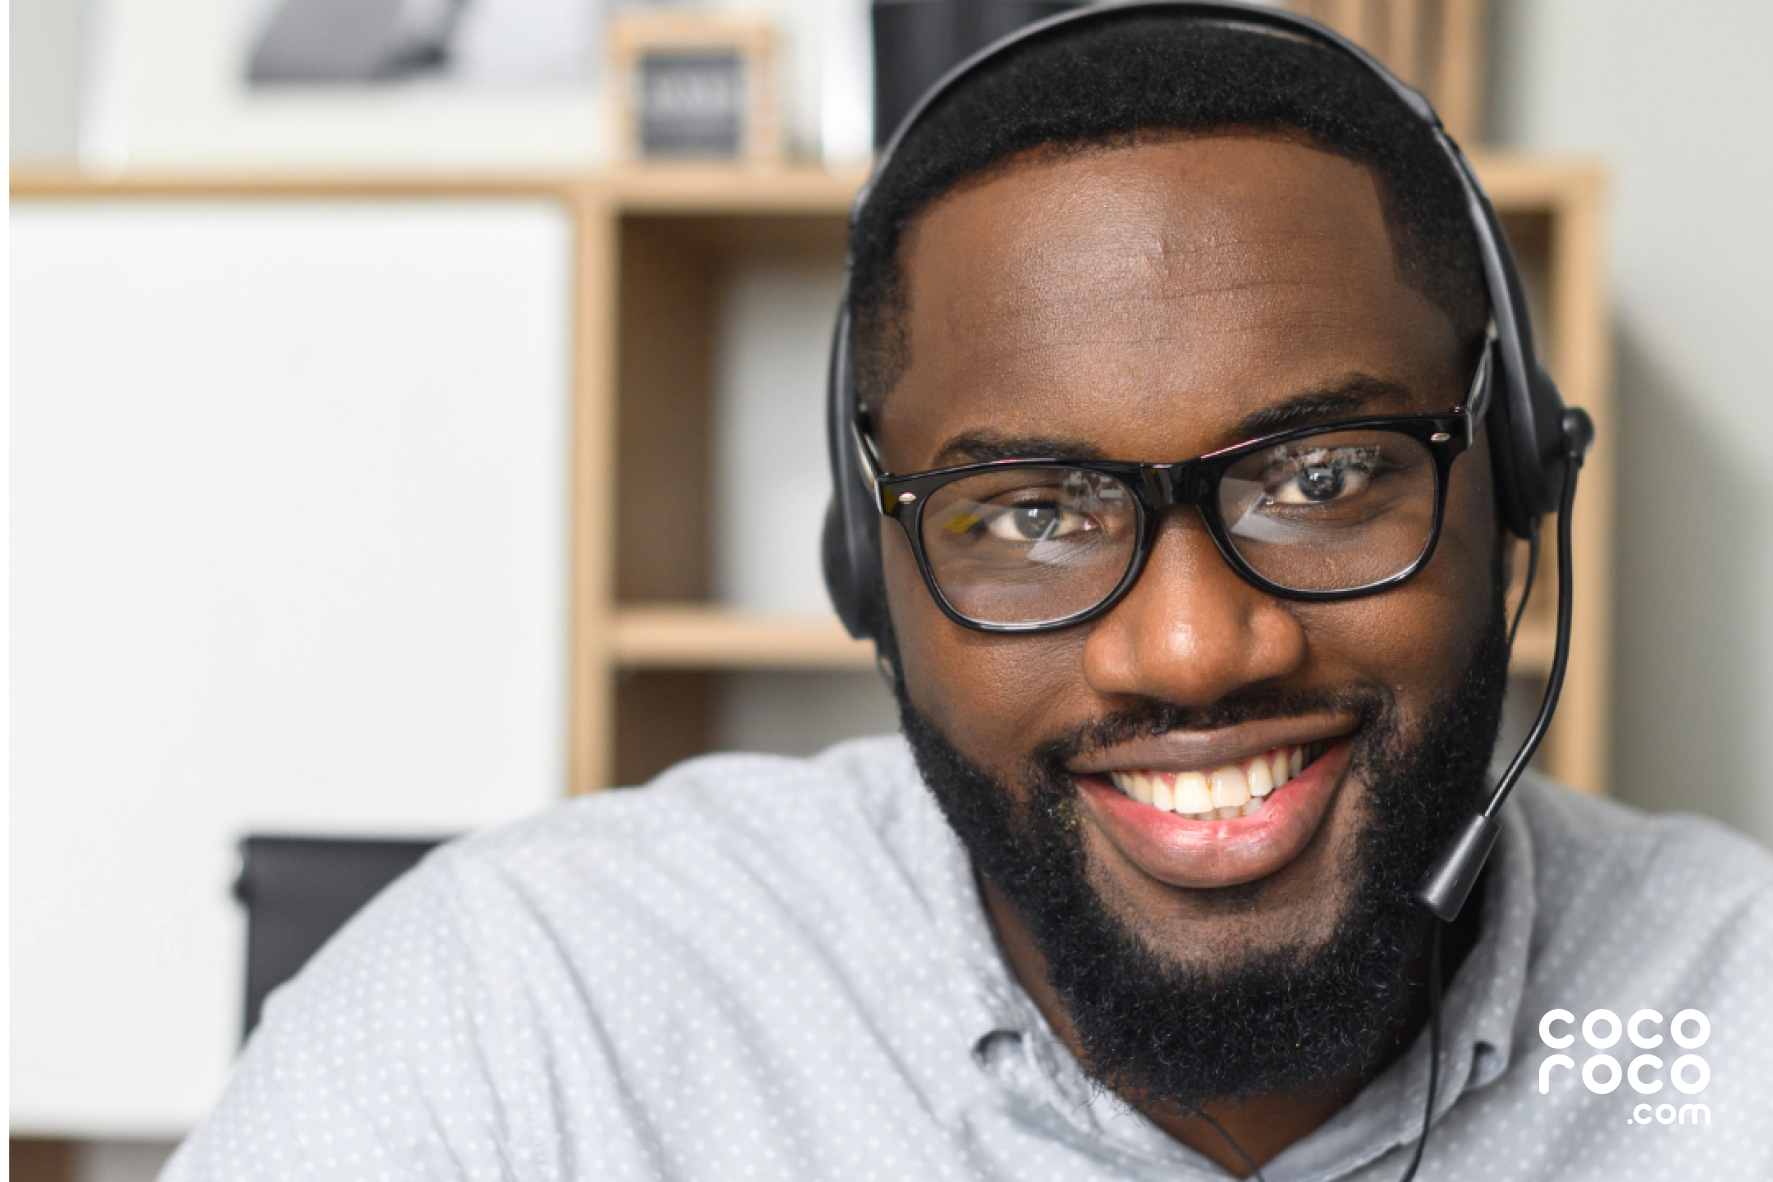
{"x": 1328, "y": 511}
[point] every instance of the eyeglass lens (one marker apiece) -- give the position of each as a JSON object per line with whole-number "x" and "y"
{"x": 1326, "y": 512}
{"x": 1028, "y": 545}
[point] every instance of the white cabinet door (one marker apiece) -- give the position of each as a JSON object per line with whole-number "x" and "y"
{"x": 289, "y": 553}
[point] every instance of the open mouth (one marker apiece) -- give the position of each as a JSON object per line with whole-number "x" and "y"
{"x": 1234, "y": 790}
{"x": 1207, "y": 809}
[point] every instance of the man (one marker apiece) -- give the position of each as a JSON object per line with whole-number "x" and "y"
{"x": 1133, "y": 900}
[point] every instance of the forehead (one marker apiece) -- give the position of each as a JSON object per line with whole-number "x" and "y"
{"x": 1142, "y": 300}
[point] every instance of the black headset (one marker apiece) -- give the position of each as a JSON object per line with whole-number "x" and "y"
{"x": 1536, "y": 443}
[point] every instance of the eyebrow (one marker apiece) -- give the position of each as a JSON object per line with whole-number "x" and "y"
{"x": 1353, "y": 395}
{"x": 984, "y": 447}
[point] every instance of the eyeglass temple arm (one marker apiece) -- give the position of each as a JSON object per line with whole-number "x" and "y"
{"x": 1477, "y": 399}
{"x": 871, "y": 465}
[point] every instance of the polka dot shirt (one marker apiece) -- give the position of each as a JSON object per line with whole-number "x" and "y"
{"x": 761, "y": 968}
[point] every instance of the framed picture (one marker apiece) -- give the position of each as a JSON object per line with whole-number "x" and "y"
{"x": 695, "y": 85}
{"x": 321, "y": 44}
{"x": 475, "y": 86}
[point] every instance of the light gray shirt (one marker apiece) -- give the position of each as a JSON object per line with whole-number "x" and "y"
{"x": 761, "y": 968}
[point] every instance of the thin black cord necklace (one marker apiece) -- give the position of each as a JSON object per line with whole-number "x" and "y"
{"x": 1434, "y": 1069}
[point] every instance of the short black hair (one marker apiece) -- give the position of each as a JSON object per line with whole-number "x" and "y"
{"x": 1107, "y": 82}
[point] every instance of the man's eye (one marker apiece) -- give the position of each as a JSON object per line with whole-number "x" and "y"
{"x": 1321, "y": 477}
{"x": 1035, "y": 521}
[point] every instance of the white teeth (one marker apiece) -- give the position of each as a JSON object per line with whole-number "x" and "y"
{"x": 1192, "y": 794}
{"x": 1163, "y": 792}
{"x": 1261, "y": 778}
{"x": 1231, "y": 789}
{"x": 1236, "y": 790}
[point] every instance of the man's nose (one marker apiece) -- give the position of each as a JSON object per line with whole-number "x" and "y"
{"x": 1191, "y": 630}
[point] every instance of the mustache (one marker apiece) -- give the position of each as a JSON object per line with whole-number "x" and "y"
{"x": 1150, "y": 717}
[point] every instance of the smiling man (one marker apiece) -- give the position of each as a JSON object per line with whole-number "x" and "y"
{"x": 1165, "y": 337}
{"x": 1203, "y": 809}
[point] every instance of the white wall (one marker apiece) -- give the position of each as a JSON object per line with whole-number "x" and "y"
{"x": 170, "y": 96}
{"x": 1678, "y": 100}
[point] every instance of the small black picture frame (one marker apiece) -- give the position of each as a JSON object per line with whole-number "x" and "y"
{"x": 691, "y": 103}
{"x": 695, "y": 85}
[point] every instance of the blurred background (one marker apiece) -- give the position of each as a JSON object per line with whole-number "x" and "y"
{"x": 416, "y": 418}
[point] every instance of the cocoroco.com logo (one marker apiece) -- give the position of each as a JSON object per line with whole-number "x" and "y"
{"x": 1602, "y": 1073}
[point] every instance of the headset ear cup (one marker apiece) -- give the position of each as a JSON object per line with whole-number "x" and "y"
{"x": 849, "y": 553}
{"x": 1527, "y": 452}
{"x": 849, "y": 549}
{"x": 840, "y": 578}
{"x": 1548, "y": 438}
{"x": 1513, "y": 500}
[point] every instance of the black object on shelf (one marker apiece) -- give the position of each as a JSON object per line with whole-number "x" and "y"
{"x": 298, "y": 891}
{"x": 917, "y": 41}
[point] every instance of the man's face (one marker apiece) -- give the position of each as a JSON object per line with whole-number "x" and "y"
{"x": 1148, "y": 303}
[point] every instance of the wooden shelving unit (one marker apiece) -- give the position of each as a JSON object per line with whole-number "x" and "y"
{"x": 652, "y": 246}
{"x": 683, "y": 227}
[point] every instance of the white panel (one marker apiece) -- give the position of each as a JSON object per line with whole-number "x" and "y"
{"x": 289, "y": 553}
{"x": 772, "y": 479}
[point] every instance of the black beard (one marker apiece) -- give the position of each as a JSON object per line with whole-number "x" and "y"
{"x": 1278, "y": 1021}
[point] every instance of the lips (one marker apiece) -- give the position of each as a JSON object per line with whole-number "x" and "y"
{"x": 1226, "y": 832}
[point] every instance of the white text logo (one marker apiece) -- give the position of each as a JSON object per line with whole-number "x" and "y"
{"x": 1602, "y": 1073}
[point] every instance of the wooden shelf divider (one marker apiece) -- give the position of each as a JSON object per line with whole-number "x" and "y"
{"x": 690, "y": 636}
{"x": 1533, "y": 648}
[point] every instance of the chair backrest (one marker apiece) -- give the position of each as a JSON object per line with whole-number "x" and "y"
{"x": 298, "y": 891}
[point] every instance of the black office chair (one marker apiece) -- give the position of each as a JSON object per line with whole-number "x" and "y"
{"x": 298, "y": 891}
